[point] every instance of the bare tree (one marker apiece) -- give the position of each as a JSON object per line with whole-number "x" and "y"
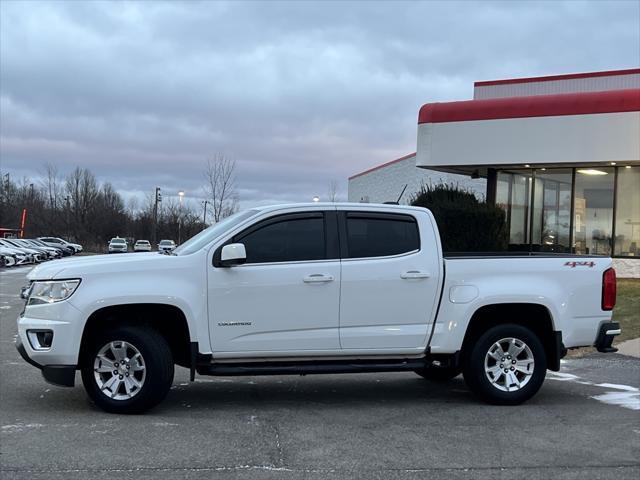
{"x": 332, "y": 192}
{"x": 220, "y": 186}
{"x": 51, "y": 185}
{"x": 133, "y": 206}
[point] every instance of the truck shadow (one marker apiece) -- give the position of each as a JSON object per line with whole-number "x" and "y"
{"x": 313, "y": 391}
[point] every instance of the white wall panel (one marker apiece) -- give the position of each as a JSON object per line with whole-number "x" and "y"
{"x": 563, "y": 139}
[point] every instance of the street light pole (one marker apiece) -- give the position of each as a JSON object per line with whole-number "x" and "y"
{"x": 154, "y": 233}
{"x": 204, "y": 217}
{"x": 180, "y": 195}
{"x": 66, "y": 211}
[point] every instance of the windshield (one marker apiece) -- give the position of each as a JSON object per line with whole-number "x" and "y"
{"x": 210, "y": 234}
{"x": 117, "y": 240}
{"x": 142, "y": 242}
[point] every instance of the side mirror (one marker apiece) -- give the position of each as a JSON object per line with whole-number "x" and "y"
{"x": 232, "y": 255}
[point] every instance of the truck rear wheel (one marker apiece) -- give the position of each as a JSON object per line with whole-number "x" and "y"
{"x": 506, "y": 365}
{"x": 128, "y": 369}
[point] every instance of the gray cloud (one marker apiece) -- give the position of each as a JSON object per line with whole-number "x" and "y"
{"x": 298, "y": 93}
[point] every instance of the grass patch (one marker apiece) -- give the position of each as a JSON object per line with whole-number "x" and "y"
{"x": 627, "y": 310}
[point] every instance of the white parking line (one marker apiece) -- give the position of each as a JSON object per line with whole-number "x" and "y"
{"x": 623, "y": 395}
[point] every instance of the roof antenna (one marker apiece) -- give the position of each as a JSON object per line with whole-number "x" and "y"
{"x": 397, "y": 202}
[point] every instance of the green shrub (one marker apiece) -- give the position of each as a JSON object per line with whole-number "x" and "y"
{"x": 465, "y": 223}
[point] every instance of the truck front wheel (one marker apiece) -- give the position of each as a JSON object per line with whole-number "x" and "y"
{"x": 506, "y": 365}
{"x": 128, "y": 369}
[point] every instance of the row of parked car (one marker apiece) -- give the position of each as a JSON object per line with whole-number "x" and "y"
{"x": 23, "y": 251}
{"x": 119, "y": 245}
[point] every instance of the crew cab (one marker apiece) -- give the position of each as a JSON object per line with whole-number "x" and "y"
{"x": 313, "y": 288}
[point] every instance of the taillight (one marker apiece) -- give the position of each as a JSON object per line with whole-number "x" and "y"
{"x": 609, "y": 289}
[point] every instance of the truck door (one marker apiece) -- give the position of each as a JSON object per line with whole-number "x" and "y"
{"x": 390, "y": 280}
{"x": 285, "y": 298}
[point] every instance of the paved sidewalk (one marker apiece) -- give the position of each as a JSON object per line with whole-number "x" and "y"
{"x": 630, "y": 347}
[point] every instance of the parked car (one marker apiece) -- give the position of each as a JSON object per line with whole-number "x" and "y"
{"x": 32, "y": 255}
{"x": 166, "y": 246}
{"x": 56, "y": 242}
{"x": 47, "y": 253}
{"x": 313, "y": 288}
{"x": 142, "y": 246}
{"x": 20, "y": 258}
{"x": 66, "y": 249}
{"x": 6, "y": 259}
{"x": 59, "y": 251}
{"x": 117, "y": 245}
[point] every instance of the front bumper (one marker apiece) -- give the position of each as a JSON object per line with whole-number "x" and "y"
{"x": 607, "y": 332}
{"x": 64, "y": 321}
{"x": 61, "y": 375}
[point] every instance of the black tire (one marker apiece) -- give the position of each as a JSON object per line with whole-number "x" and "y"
{"x": 473, "y": 365}
{"x": 158, "y": 368}
{"x": 439, "y": 374}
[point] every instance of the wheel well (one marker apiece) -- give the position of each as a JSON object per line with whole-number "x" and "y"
{"x": 535, "y": 317}
{"x": 167, "y": 320}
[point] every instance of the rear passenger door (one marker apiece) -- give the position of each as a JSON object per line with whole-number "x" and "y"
{"x": 390, "y": 282}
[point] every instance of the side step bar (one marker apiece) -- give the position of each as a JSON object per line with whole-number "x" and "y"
{"x": 304, "y": 368}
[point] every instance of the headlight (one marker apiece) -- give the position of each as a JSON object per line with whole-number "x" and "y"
{"x": 51, "y": 291}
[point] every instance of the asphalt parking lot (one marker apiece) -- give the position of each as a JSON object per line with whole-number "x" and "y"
{"x": 584, "y": 423}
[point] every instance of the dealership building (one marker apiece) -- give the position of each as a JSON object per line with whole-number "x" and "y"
{"x": 560, "y": 154}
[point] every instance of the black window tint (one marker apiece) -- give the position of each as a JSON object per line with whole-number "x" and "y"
{"x": 382, "y": 236}
{"x": 286, "y": 241}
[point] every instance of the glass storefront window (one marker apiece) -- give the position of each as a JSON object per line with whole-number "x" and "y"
{"x": 503, "y": 190}
{"x": 628, "y": 212}
{"x": 538, "y": 204}
{"x": 552, "y": 210}
{"x": 519, "y": 221}
{"x": 593, "y": 210}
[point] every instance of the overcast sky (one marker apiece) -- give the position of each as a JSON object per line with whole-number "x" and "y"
{"x": 299, "y": 93}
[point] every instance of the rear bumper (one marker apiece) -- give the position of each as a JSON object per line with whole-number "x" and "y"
{"x": 607, "y": 332}
{"x": 60, "y": 375}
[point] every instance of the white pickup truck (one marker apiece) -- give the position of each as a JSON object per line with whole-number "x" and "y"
{"x": 313, "y": 288}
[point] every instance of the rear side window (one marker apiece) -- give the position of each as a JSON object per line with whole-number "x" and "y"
{"x": 373, "y": 235}
{"x": 288, "y": 240}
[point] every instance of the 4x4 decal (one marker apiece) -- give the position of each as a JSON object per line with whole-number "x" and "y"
{"x": 580, "y": 264}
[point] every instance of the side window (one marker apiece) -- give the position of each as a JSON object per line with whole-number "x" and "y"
{"x": 373, "y": 235}
{"x": 297, "y": 238}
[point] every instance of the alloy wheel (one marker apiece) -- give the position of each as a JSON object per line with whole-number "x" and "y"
{"x": 119, "y": 370}
{"x": 509, "y": 364}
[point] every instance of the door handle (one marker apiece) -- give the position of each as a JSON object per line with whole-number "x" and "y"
{"x": 317, "y": 278}
{"x": 411, "y": 274}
